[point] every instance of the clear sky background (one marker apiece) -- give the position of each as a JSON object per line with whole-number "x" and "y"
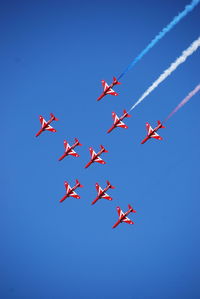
{"x": 54, "y": 55}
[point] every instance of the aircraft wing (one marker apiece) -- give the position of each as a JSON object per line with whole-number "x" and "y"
{"x": 127, "y": 220}
{"x": 50, "y": 128}
{"x": 74, "y": 194}
{"x": 69, "y": 149}
{"x": 66, "y": 145}
{"x": 99, "y": 160}
{"x": 105, "y": 85}
{"x": 121, "y": 125}
{"x": 108, "y": 90}
{"x": 120, "y": 212}
{"x": 149, "y": 129}
{"x": 151, "y": 132}
{"x": 115, "y": 117}
{"x": 156, "y": 136}
{"x": 67, "y": 186}
{"x": 43, "y": 124}
{"x": 106, "y": 196}
{"x": 73, "y": 153}
{"x": 99, "y": 189}
{"x": 92, "y": 152}
{"x": 42, "y": 121}
{"x": 112, "y": 92}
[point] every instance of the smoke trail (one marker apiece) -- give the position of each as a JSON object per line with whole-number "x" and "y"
{"x": 184, "y": 101}
{"x": 189, "y": 51}
{"x": 161, "y": 34}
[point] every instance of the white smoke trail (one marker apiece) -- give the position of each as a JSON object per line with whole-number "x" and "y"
{"x": 189, "y": 51}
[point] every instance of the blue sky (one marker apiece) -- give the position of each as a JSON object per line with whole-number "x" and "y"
{"x": 54, "y": 55}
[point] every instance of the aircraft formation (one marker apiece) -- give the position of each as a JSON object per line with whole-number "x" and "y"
{"x": 118, "y": 121}
{"x": 95, "y": 157}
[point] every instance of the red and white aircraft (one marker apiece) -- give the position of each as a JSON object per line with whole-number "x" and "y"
{"x": 46, "y": 124}
{"x": 123, "y": 216}
{"x": 95, "y": 157}
{"x": 69, "y": 150}
{"x": 107, "y": 89}
{"x": 118, "y": 121}
{"x": 102, "y": 192}
{"x": 151, "y": 133}
{"x": 70, "y": 191}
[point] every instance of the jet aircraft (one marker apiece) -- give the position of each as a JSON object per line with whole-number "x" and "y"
{"x": 95, "y": 157}
{"x": 151, "y": 133}
{"x": 123, "y": 216}
{"x": 70, "y": 191}
{"x": 69, "y": 150}
{"x": 118, "y": 121}
{"x": 102, "y": 192}
{"x": 107, "y": 89}
{"x": 46, "y": 124}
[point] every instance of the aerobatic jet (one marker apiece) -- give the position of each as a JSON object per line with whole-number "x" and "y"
{"x": 123, "y": 216}
{"x": 69, "y": 150}
{"x": 95, "y": 157}
{"x": 151, "y": 133}
{"x": 118, "y": 120}
{"x": 107, "y": 89}
{"x": 46, "y": 124}
{"x": 70, "y": 191}
{"x": 102, "y": 192}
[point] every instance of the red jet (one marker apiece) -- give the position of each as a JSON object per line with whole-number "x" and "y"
{"x": 118, "y": 121}
{"x": 102, "y": 192}
{"x": 123, "y": 216}
{"x": 95, "y": 157}
{"x": 69, "y": 150}
{"x": 70, "y": 191}
{"x": 107, "y": 89}
{"x": 45, "y": 124}
{"x": 151, "y": 133}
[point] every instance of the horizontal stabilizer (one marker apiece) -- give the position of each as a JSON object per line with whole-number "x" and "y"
{"x": 109, "y": 184}
{"x": 132, "y": 210}
{"x": 76, "y": 140}
{"x": 159, "y": 123}
{"x": 53, "y": 116}
{"x": 125, "y": 112}
{"x": 115, "y": 81}
{"x": 78, "y": 183}
{"x": 103, "y": 148}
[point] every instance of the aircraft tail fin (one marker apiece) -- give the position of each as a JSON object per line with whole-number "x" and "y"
{"x": 103, "y": 148}
{"x": 78, "y": 183}
{"x": 76, "y": 140}
{"x": 115, "y": 81}
{"x": 53, "y": 116}
{"x": 109, "y": 184}
{"x": 159, "y": 123}
{"x": 128, "y": 115}
{"x": 132, "y": 210}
